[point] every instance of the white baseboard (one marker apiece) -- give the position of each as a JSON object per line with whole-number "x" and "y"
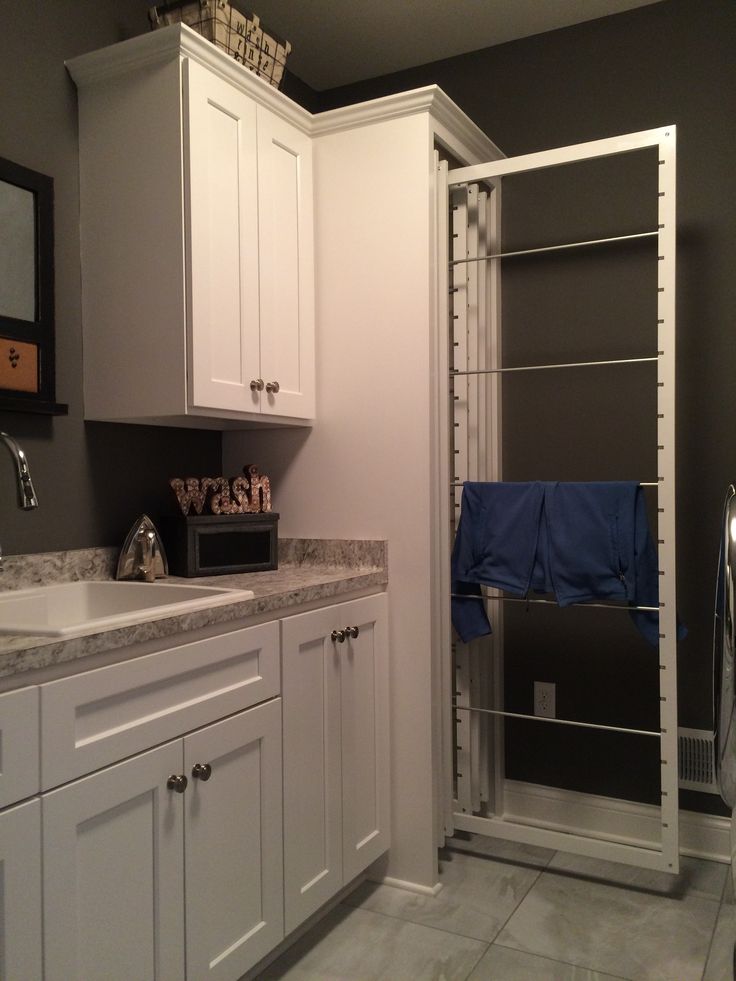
{"x": 388, "y": 880}
{"x": 704, "y": 836}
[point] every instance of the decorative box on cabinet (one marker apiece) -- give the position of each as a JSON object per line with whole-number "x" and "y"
{"x": 336, "y": 766}
{"x": 197, "y": 241}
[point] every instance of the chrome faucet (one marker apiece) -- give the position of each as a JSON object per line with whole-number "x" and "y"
{"x": 27, "y": 499}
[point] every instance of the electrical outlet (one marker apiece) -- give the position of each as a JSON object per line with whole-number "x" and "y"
{"x": 544, "y": 699}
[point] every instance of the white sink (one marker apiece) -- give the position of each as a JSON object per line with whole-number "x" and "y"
{"x": 75, "y": 608}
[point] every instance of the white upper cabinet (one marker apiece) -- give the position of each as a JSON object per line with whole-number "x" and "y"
{"x": 285, "y": 248}
{"x": 197, "y": 238}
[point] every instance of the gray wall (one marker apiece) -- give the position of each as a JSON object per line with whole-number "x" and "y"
{"x": 671, "y": 62}
{"x": 92, "y": 479}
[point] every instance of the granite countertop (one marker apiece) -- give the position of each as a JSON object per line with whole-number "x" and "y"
{"x": 310, "y": 571}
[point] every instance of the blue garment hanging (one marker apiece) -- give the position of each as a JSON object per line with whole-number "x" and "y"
{"x": 579, "y": 541}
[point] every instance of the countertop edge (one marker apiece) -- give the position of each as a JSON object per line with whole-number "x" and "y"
{"x": 22, "y": 658}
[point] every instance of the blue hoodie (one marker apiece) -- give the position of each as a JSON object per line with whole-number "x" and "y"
{"x": 580, "y": 541}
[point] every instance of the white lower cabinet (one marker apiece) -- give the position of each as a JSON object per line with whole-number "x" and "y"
{"x": 168, "y": 865}
{"x": 196, "y": 803}
{"x": 20, "y": 892}
{"x": 336, "y": 769}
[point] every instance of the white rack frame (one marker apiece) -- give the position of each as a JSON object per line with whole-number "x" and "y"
{"x": 473, "y": 692}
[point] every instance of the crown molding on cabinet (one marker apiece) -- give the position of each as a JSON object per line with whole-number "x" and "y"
{"x": 176, "y": 41}
{"x": 180, "y": 41}
{"x": 430, "y": 98}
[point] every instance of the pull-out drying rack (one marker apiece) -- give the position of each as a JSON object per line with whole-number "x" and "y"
{"x": 475, "y": 798}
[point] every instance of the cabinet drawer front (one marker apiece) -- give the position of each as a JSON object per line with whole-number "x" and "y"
{"x": 104, "y": 715}
{"x": 19, "y": 770}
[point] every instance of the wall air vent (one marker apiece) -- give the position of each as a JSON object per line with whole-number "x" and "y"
{"x": 696, "y": 760}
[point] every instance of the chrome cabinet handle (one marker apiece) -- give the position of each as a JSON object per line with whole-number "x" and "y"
{"x": 352, "y": 631}
{"x": 201, "y": 771}
{"x": 272, "y": 387}
{"x": 338, "y": 635}
{"x": 177, "y": 782}
{"x": 256, "y": 385}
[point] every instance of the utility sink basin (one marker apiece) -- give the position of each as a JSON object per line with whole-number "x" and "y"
{"x": 76, "y": 608}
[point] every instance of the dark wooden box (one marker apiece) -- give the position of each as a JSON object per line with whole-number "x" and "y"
{"x": 219, "y": 544}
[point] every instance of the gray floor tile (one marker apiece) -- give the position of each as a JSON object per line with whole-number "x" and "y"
{"x": 627, "y": 932}
{"x": 506, "y": 851}
{"x": 478, "y": 895}
{"x": 696, "y": 877}
{"x": 503, "y": 964}
{"x": 358, "y": 945}
{"x": 720, "y": 958}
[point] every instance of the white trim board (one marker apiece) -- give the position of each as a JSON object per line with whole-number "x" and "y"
{"x": 703, "y": 836}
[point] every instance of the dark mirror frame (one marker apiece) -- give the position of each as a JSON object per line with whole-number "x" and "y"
{"x": 41, "y": 331}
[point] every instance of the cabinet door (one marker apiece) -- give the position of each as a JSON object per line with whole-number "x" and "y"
{"x": 310, "y": 686}
{"x": 19, "y": 757}
{"x": 234, "y": 874}
{"x": 364, "y": 734}
{"x": 113, "y": 875}
{"x": 286, "y": 251}
{"x": 221, "y": 194}
{"x": 20, "y": 892}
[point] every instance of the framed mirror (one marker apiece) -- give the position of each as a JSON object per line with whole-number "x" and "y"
{"x": 27, "y": 371}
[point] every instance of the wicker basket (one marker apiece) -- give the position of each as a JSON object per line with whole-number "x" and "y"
{"x": 237, "y": 32}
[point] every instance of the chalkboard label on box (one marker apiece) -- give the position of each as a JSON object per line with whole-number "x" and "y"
{"x": 220, "y": 544}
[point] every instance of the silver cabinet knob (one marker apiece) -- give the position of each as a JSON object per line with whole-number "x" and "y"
{"x": 201, "y": 771}
{"x": 177, "y": 782}
{"x": 272, "y": 387}
{"x": 352, "y": 631}
{"x": 338, "y": 636}
{"x": 256, "y": 385}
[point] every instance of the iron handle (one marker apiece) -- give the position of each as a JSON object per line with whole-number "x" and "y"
{"x": 201, "y": 771}
{"x": 352, "y": 631}
{"x": 256, "y": 385}
{"x": 272, "y": 387}
{"x": 338, "y": 635}
{"x": 177, "y": 782}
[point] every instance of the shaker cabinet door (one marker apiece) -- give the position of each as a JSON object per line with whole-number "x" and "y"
{"x": 113, "y": 873}
{"x": 286, "y": 250}
{"x": 21, "y": 942}
{"x": 221, "y": 185}
{"x": 234, "y": 893}
{"x": 336, "y": 765}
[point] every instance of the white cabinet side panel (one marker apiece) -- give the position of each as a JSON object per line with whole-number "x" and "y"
{"x": 131, "y": 203}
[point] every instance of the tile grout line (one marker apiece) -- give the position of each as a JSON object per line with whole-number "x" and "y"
{"x": 713, "y": 931}
{"x": 554, "y": 960}
{"x": 426, "y": 926}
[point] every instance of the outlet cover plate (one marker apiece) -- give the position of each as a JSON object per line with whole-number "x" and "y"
{"x": 545, "y": 699}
